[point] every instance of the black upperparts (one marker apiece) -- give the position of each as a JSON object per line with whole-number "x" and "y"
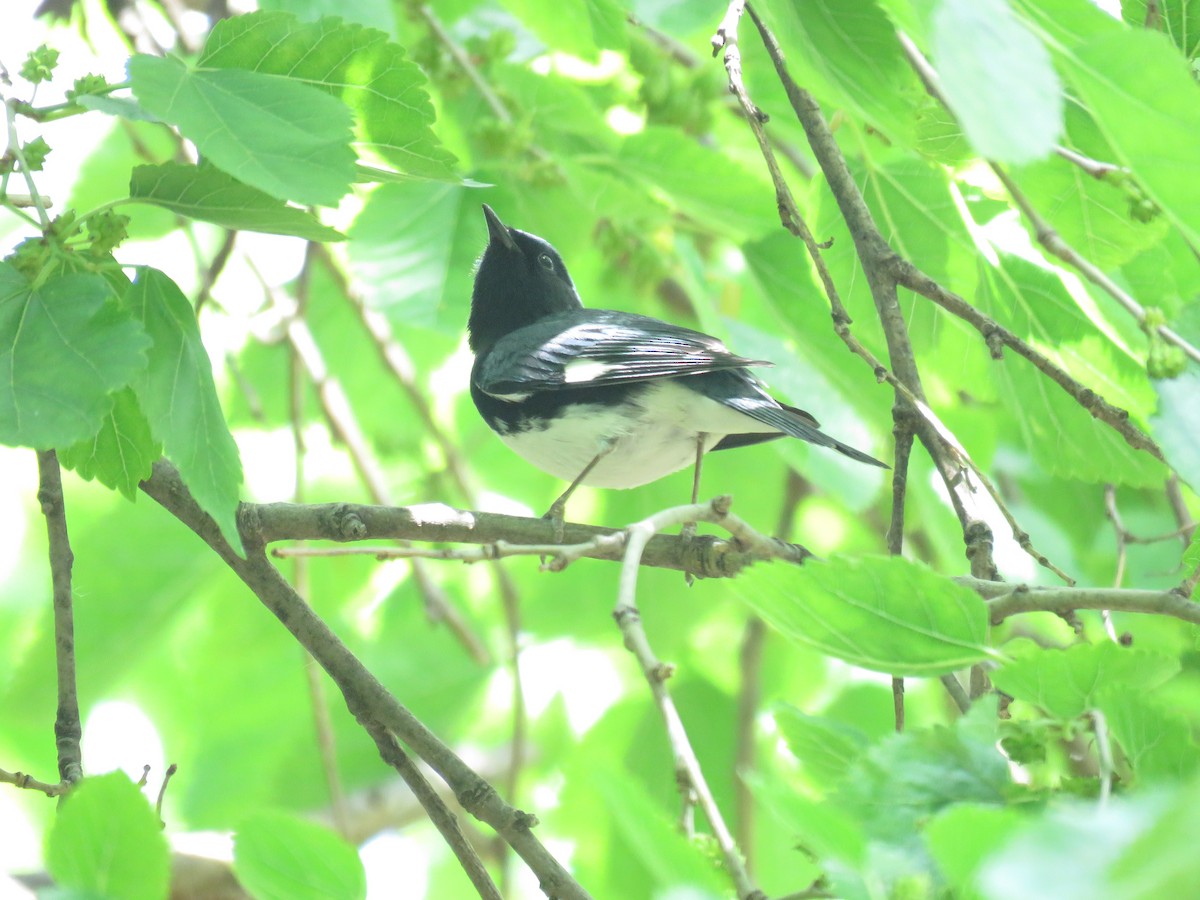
{"x": 520, "y": 280}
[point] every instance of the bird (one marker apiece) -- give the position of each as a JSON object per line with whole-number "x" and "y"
{"x": 602, "y": 397}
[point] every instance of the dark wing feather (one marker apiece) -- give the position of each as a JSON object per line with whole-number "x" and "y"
{"x": 795, "y": 422}
{"x": 595, "y": 348}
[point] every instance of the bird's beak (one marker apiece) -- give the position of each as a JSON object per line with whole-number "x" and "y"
{"x": 497, "y": 230}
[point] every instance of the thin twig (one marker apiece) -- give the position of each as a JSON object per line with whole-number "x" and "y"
{"x": 443, "y": 819}
{"x": 1006, "y": 600}
{"x": 628, "y": 617}
{"x": 14, "y": 150}
{"x": 1094, "y": 167}
{"x": 29, "y": 783}
{"x": 1183, "y": 516}
{"x": 1104, "y": 756}
{"x": 322, "y": 721}
{"x": 67, "y": 728}
{"x": 997, "y": 337}
{"x": 214, "y": 269}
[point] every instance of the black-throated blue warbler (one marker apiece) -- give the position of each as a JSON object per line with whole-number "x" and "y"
{"x": 606, "y": 398}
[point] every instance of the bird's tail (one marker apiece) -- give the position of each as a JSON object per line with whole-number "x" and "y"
{"x": 798, "y": 424}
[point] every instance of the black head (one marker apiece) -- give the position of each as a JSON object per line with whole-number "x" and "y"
{"x": 520, "y": 280}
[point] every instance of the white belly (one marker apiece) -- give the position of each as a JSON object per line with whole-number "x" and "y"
{"x": 645, "y": 446}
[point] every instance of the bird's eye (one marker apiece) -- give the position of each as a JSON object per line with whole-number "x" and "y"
{"x": 546, "y": 262}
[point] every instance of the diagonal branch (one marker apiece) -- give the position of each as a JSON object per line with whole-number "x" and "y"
{"x": 366, "y": 698}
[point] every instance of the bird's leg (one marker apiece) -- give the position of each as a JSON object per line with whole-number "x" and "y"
{"x": 558, "y": 508}
{"x": 688, "y": 531}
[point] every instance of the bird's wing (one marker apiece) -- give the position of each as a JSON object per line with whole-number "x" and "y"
{"x": 594, "y": 348}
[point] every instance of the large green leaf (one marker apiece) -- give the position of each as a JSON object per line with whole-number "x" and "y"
{"x": 282, "y": 857}
{"x": 846, "y": 52}
{"x": 1065, "y": 682}
{"x": 276, "y": 134}
{"x": 826, "y": 748}
{"x": 206, "y": 193}
{"x": 358, "y": 65}
{"x": 64, "y": 346}
{"x": 412, "y": 249}
{"x": 1138, "y": 87}
{"x": 882, "y": 613}
{"x": 122, "y": 453}
{"x": 180, "y": 400}
{"x": 1177, "y": 19}
{"x": 962, "y": 836}
{"x": 107, "y": 841}
{"x": 703, "y": 184}
{"x": 1157, "y": 741}
{"x": 908, "y": 777}
{"x": 1177, "y": 422}
{"x": 998, "y": 79}
{"x": 581, "y": 27}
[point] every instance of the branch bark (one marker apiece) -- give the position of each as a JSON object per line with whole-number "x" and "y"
{"x": 67, "y": 727}
{"x": 370, "y": 702}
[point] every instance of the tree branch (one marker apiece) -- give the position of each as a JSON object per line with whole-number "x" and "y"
{"x": 1006, "y": 600}
{"x": 443, "y": 819}
{"x": 687, "y": 767}
{"x": 364, "y": 695}
{"x": 67, "y": 728}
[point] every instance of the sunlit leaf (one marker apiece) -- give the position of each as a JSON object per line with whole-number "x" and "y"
{"x": 180, "y": 400}
{"x": 206, "y": 193}
{"x": 882, "y": 613}
{"x": 276, "y": 134}
{"x": 107, "y": 841}
{"x": 64, "y": 346}
{"x": 282, "y": 857}
{"x": 1064, "y": 682}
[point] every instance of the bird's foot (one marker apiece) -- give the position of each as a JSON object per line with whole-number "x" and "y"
{"x": 555, "y": 515}
{"x": 687, "y": 534}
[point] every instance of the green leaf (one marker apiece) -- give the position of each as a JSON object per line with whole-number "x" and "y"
{"x": 1148, "y": 106}
{"x": 273, "y": 133}
{"x": 1177, "y": 422}
{"x": 702, "y": 183}
{"x": 180, "y": 401}
{"x": 64, "y": 346}
{"x": 412, "y": 247}
{"x": 1056, "y": 431}
{"x": 668, "y": 856}
{"x": 206, "y": 193}
{"x": 357, "y": 65}
{"x": 581, "y": 27}
{"x": 1066, "y": 852}
{"x": 962, "y": 836}
{"x": 122, "y": 453}
{"x": 1157, "y": 741}
{"x": 1093, "y": 215}
{"x": 826, "y": 748}
{"x": 107, "y": 841}
{"x": 1064, "y": 682}
{"x": 846, "y": 52}
{"x": 1162, "y": 861}
{"x": 998, "y": 79}
{"x": 1177, "y": 19}
{"x": 281, "y": 857}
{"x": 908, "y": 777}
{"x": 882, "y": 613}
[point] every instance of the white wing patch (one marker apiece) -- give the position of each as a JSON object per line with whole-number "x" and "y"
{"x": 582, "y": 371}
